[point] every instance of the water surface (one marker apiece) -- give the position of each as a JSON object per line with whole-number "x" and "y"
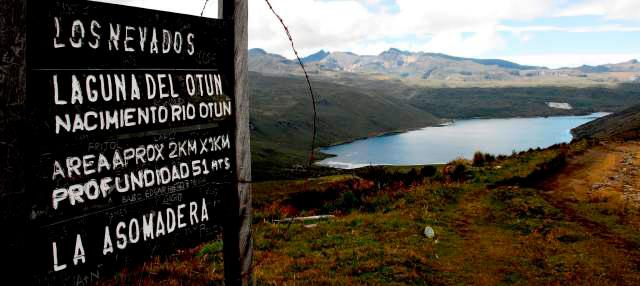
{"x": 438, "y": 145}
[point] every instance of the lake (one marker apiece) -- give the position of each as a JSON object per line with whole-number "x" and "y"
{"x": 462, "y": 138}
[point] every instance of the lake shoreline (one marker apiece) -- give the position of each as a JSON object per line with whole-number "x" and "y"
{"x": 453, "y": 125}
{"x": 446, "y": 122}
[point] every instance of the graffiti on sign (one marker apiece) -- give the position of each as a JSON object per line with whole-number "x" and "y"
{"x": 131, "y": 134}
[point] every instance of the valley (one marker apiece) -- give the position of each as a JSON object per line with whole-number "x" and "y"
{"x": 320, "y": 142}
{"x": 352, "y": 106}
{"x": 564, "y": 215}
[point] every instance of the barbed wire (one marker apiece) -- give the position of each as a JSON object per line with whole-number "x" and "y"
{"x": 305, "y": 187}
{"x": 313, "y": 139}
{"x": 304, "y": 70}
{"x": 306, "y": 75}
{"x": 205, "y": 7}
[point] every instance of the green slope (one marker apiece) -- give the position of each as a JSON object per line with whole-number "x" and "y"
{"x": 622, "y": 125}
{"x": 353, "y": 107}
{"x": 522, "y": 101}
{"x": 282, "y": 118}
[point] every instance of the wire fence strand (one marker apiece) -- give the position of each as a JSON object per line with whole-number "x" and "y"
{"x": 315, "y": 126}
{"x": 205, "y": 7}
{"x": 274, "y": 239}
{"x": 306, "y": 75}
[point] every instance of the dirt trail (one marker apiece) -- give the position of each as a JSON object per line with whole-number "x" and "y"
{"x": 605, "y": 179}
{"x": 487, "y": 249}
{"x": 608, "y": 168}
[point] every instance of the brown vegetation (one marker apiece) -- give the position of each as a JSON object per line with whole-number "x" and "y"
{"x": 529, "y": 219}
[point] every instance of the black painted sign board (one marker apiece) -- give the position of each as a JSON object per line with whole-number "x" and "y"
{"x": 129, "y": 140}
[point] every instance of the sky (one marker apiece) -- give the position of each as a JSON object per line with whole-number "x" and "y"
{"x": 552, "y": 33}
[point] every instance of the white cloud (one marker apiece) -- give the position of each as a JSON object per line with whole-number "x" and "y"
{"x": 580, "y": 29}
{"x": 433, "y": 16}
{"x": 571, "y": 60}
{"x": 189, "y": 7}
{"x": 470, "y": 28}
{"x": 349, "y": 24}
{"x": 613, "y": 9}
{"x": 313, "y": 24}
{"x": 483, "y": 40}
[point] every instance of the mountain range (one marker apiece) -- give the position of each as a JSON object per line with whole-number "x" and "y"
{"x": 361, "y": 96}
{"x": 437, "y": 69}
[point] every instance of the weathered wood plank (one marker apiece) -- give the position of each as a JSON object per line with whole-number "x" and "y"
{"x": 36, "y": 230}
{"x": 13, "y": 210}
{"x": 238, "y": 240}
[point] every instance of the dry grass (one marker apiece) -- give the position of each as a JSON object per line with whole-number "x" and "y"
{"x": 507, "y": 235}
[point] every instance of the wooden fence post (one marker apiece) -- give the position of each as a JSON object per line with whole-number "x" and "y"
{"x": 238, "y": 243}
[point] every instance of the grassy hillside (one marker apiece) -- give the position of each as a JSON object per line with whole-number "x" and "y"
{"x": 622, "y": 125}
{"x": 567, "y": 215}
{"x": 282, "y": 118}
{"x": 353, "y": 107}
{"x": 494, "y": 223}
{"x": 522, "y": 101}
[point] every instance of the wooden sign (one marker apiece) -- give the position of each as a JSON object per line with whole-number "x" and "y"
{"x": 128, "y": 140}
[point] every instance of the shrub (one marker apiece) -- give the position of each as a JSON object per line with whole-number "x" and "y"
{"x": 410, "y": 177}
{"x": 376, "y": 174}
{"x": 489, "y": 159}
{"x": 478, "y": 159}
{"x": 459, "y": 173}
{"x": 428, "y": 171}
{"x": 413, "y": 173}
{"x": 455, "y": 171}
{"x": 347, "y": 202}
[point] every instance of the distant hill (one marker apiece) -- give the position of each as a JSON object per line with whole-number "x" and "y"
{"x": 282, "y": 118}
{"x": 315, "y": 57}
{"x": 424, "y": 68}
{"x": 393, "y": 62}
{"x": 622, "y": 125}
{"x": 360, "y": 96}
{"x": 260, "y": 60}
{"x": 281, "y": 111}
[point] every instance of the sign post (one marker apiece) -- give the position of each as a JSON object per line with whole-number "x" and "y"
{"x": 124, "y": 134}
{"x": 238, "y": 242}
